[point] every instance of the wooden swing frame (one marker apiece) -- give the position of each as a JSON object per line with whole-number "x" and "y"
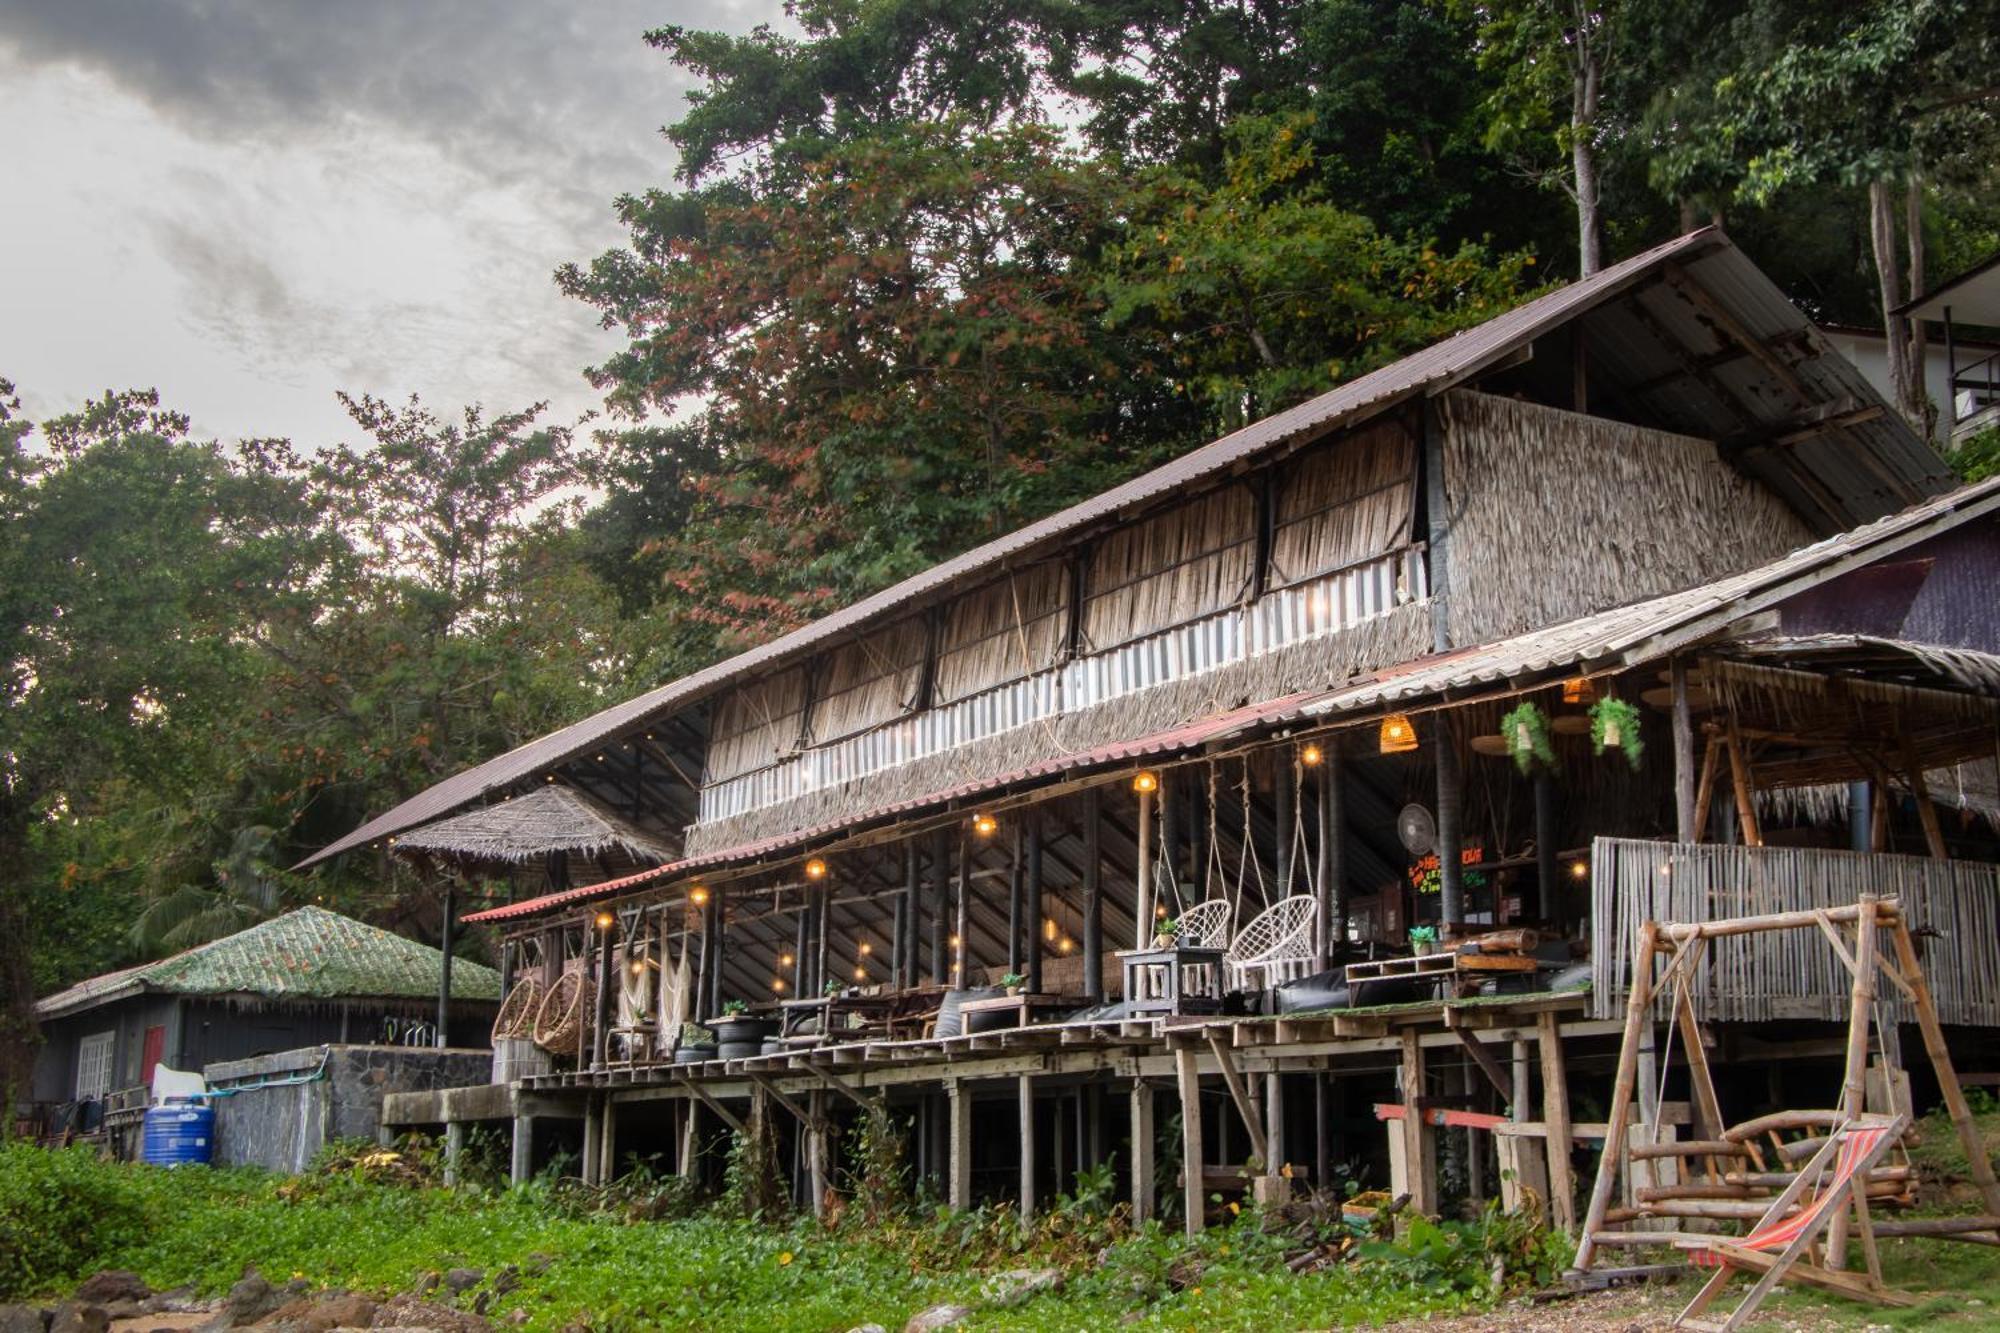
{"x": 1852, "y": 932}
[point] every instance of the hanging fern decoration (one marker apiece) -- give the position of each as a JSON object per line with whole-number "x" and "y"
{"x": 1526, "y": 731}
{"x": 1615, "y": 723}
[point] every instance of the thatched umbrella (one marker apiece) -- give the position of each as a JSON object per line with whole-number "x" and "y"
{"x": 552, "y": 819}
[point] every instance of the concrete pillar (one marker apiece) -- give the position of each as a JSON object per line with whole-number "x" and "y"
{"x": 607, "y": 1164}
{"x": 1192, "y": 1197}
{"x": 1143, "y": 1143}
{"x": 593, "y": 1142}
{"x": 523, "y": 1164}
{"x": 454, "y": 1144}
{"x": 959, "y": 1195}
{"x": 1027, "y": 1099}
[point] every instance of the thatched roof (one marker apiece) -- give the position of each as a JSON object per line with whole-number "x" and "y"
{"x": 553, "y": 819}
{"x": 309, "y": 955}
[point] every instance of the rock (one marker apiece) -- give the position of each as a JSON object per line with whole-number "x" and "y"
{"x": 335, "y": 1309}
{"x": 937, "y": 1317}
{"x": 111, "y": 1286}
{"x": 409, "y": 1312}
{"x": 868, "y": 1328}
{"x": 425, "y": 1284}
{"x": 1004, "y": 1291}
{"x": 23, "y": 1319}
{"x": 77, "y": 1317}
{"x": 459, "y": 1280}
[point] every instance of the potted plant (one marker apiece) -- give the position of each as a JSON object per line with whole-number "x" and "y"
{"x": 696, "y": 1044}
{"x": 1012, "y": 983}
{"x": 1423, "y": 940}
{"x": 1526, "y": 732}
{"x": 1614, "y": 724}
{"x": 1166, "y": 933}
{"x": 832, "y": 989}
{"x": 738, "y": 1025}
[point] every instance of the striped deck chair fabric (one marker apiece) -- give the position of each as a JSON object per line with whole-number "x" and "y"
{"x": 1857, "y": 1146}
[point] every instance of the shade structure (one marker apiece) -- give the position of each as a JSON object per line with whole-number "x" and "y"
{"x": 554, "y": 819}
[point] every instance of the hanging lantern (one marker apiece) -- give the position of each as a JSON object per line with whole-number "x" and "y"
{"x": 984, "y": 824}
{"x": 1145, "y": 781}
{"x": 1049, "y": 931}
{"x": 1311, "y": 755}
{"x": 1399, "y": 735}
{"x": 815, "y": 869}
{"x": 1579, "y": 691}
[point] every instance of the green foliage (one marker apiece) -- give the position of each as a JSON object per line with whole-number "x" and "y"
{"x": 58, "y": 1212}
{"x": 1526, "y": 730}
{"x": 1979, "y": 457}
{"x": 1615, "y": 722}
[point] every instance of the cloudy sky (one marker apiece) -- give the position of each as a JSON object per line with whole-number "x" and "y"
{"x": 251, "y": 203}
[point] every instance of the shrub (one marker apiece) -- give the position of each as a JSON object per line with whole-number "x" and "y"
{"x": 60, "y": 1210}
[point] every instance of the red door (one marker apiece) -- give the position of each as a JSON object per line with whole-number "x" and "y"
{"x": 156, "y": 1046}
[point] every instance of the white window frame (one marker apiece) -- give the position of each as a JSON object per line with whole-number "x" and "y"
{"x": 93, "y": 1065}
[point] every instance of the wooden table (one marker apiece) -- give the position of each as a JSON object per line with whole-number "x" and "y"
{"x": 1022, "y": 1006}
{"x": 1177, "y": 979}
{"x": 833, "y": 1011}
{"x": 1452, "y": 969}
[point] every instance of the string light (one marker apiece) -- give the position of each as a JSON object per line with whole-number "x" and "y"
{"x": 954, "y": 941}
{"x": 984, "y": 824}
{"x": 1311, "y": 755}
{"x": 1145, "y": 781}
{"x": 778, "y": 985}
{"x": 866, "y": 948}
{"x": 638, "y": 966}
{"x": 1579, "y": 869}
{"x": 784, "y": 960}
{"x": 606, "y": 921}
{"x": 698, "y": 896}
{"x": 1398, "y": 736}
{"x": 1160, "y": 912}
{"x": 815, "y": 869}
{"x": 860, "y": 973}
{"x": 1066, "y": 945}
{"x": 1049, "y": 929}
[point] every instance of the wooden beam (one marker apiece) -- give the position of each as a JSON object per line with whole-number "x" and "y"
{"x": 1239, "y": 1093}
{"x": 1746, "y": 808}
{"x": 1913, "y": 773}
{"x": 1416, "y": 1133}
{"x": 1487, "y": 1064}
{"x": 1144, "y": 1158}
{"x": 1684, "y": 775}
{"x": 959, "y": 1157}
{"x": 1637, "y": 1006}
{"x": 1026, "y": 1096}
{"x": 722, "y": 1113}
{"x": 1555, "y": 1115}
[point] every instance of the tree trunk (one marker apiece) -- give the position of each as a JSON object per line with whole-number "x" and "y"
{"x": 1921, "y": 408}
{"x": 1882, "y": 236}
{"x": 1587, "y": 83}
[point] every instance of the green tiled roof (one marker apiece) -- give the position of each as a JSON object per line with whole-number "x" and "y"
{"x": 307, "y": 954}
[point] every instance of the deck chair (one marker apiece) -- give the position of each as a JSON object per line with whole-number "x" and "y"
{"x": 1777, "y": 1246}
{"x": 1276, "y": 947}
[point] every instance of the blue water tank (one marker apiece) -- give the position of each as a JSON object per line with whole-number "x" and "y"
{"x": 179, "y": 1136}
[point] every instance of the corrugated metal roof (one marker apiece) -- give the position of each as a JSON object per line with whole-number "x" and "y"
{"x": 1842, "y": 464}
{"x": 307, "y": 954}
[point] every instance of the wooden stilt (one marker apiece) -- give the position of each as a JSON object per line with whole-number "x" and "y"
{"x": 522, "y": 1165}
{"x": 1274, "y": 1123}
{"x": 1927, "y": 815}
{"x": 454, "y": 1148}
{"x": 1239, "y": 1093}
{"x": 1854, "y": 1075}
{"x": 690, "y": 1142}
{"x": 592, "y": 1141}
{"x": 1422, "y": 1181}
{"x": 1684, "y": 778}
{"x": 1704, "y": 794}
{"x": 1143, "y": 1157}
{"x": 1978, "y": 1163}
{"x": 607, "y": 1140}
{"x": 1026, "y": 1092}
{"x": 1739, "y": 772}
{"x": 818, "y": 1152}
{"x": 1192, "y": 1198}
{"x": 959, "y": 1155}
{"x": 1555, "y": 1115}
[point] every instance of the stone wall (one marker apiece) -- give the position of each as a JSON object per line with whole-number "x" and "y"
{"x": 276, "y": 1111}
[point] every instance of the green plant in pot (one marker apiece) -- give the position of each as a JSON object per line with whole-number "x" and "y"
{"x": 696, "y": 1043}
{"x": 1614, "y": 725}
{"x": 738, "y": 1024}
{"x": 1166, "y": 932}
{"x": 1013, "y": 982}
{"x": 1526, "y": 732}
{"x": 1423, "y": 940}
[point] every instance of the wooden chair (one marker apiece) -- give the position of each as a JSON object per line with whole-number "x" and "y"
{"x": 1776, "y": 1247}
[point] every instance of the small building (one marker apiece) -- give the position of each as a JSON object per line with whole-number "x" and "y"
{"x": 308, "y": 978}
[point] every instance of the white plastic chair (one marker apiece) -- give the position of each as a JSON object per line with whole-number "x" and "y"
{"x": 1276, "y": 947}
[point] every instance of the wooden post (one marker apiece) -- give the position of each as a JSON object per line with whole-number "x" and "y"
{"x": 909, "y": 919}
{"x": 1980, "y": 1165}
{"x": 1016, "y": 910}
{"x": 1927, "y": 815}
{"x": 1739, "y": 772}
{"x": 690, "y": 1139}
{"x": 600, "y": 1021}
{"x": 940, "y": 900}
{"x": 1192, "y": 1197}
{"x": 454, "y": 1147}
{"x": 1548, "y": 871}
{"x": 607, "y": 1142}
{"x": 1854, "y": 1077}
{"x": 1684, "y": 776}
{"x": 801, "y": 939}
{"x": 1027, "y": 1100}
{"x": 522, "y": 1165}
{"x": 1417, "y": 1157}
{"x": 818, "y": 1151}
{"x": 1142, "y": 920}
{"x": 1330, "y": 882}
{"x": 961, "y": 972}
{"x": 1704, "y": 792}
{"x": 444, "y": 966}
{"x": 1035, "y": 907}
{"x": 1274, "y": 1124}
{"x": 1143, "y": 1156}
{"x": 1450, "y": 839}
{"x": 1093, "y": 896}
{"x": 959, "y": 1154}
{"x": 592, "y": 1138}
{"x": 1555, "y": 1115}
{"x": 1285, "y": 764}
{"x": 1636, "y": 1018}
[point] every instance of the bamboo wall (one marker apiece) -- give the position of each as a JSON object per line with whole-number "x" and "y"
{"x": 1554, "y": 515}
{"x": 1337, "y": 507}
{"x": 1953, "y": 908}
{"x": 1010, "y": 628}
{"x": 757, "y": 723}
{"x": 1188, "y": 562}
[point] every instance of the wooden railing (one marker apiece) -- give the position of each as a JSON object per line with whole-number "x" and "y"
{"x": 1953, "y": 908}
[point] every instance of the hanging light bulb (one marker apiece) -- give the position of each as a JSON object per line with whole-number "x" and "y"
{"x": 860, "y": 973}
{"x": 784, "y": 960}
{"x": 638, "y": 966}
{"x": 1145, "y": 781}
{"x": 1399, "y": 735}
{"x": 984, "y": 824}
{"x": 606, "y": 921}
{"x": 778, "y": 985}
{"x": 1067, "y": 944}
{"x": 815, "y": 869}
{"x": 1049, "y": 931}
{"x": 1579, "y": 869}
{"x": 954, "y": 941}
{"x": 866, "y": 948}
{"x": 698, "y": 896}
{"x": 1311, "y": 755}
{"x": 1579, "y": 690}
{"x": 1160, "y": 912}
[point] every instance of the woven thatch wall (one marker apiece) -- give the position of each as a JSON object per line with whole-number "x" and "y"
{"x": 1343, "y": 503}
{"x": 1313, "y": 664}
{"x": 756, "y": 723}
{"x": 1554, "y": 515}
{"x": 869, "y": 681}
{"x": 1008, "y": 629}
{"x": 1190, "y": 561}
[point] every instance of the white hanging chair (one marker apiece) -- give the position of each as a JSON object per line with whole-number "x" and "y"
{"x": 1276, "y": 947}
